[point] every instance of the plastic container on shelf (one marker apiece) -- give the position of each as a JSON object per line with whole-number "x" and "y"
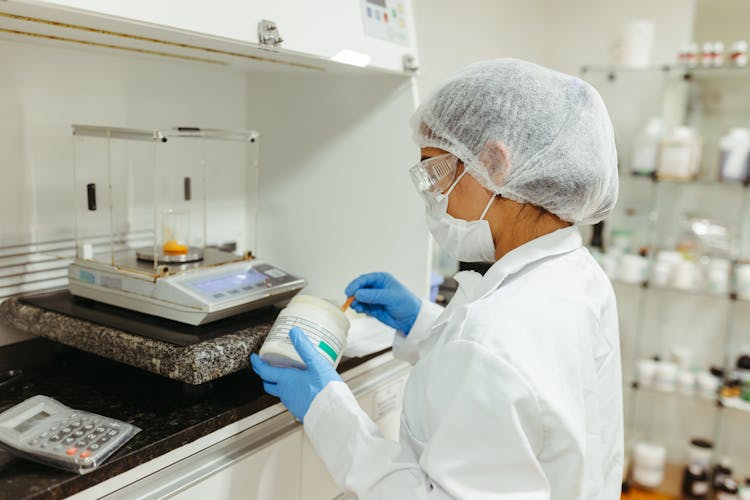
{"x": 679, "y": 155}
{"x": 734, "y": 155}
{"x": 745, "y": 490}
{"x": 729, "y": 490}
{"x": 646, "y": 371}
{"x": 742, "y": 281}
{"x": 646, "y": 147}
{"x": 686, "y": 275}
{"x": 717, "y": 56}
{"x": 648, "y": 464}
{"x": 700, "y": 452}
{"x": 622, "y": 240}
{"x": 665, "y": 376}
{"x": 695, "y": 482}
{"x": 632, "y": 269}
{"x": 718, "y": 276}
{"x": 688, "y": 55}
{"x": 743, "y": 374}
{"x": 681, "y": 356}
{"x": 634, "y": 44}
{"x": 707, "y": 384}
{"x": 738, "y": 53}
{"x": 686, "y": 383}
{"x": 663, "y": 268}
{"x": 722, "y": 470}
{"x": 707, "y": 54}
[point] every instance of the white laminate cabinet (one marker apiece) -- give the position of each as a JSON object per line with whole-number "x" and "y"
{"x": 270, "y": 473}
{"x": 380, "y": 29}
{"x": 261, "y": 462}
{"x": 270, "y": 459}
{"x": 383, "y": 405}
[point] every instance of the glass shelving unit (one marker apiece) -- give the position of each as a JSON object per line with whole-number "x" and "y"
{"x": 714, "y": 327}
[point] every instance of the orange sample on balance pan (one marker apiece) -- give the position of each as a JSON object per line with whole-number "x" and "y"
{"x": 173, "y": 247}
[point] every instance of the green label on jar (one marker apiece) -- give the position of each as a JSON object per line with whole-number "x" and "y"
{"x": 328, "y": 349}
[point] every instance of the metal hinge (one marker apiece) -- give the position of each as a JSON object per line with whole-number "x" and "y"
{"x": 268, "y": 34}
{"x": 410, "y": 63}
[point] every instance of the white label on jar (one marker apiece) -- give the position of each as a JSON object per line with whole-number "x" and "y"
{"x": 700, "y": 488}
{"x": 675, "y": 161}
{"x": 644, "y": 157}
{"x": 320, "y": 337}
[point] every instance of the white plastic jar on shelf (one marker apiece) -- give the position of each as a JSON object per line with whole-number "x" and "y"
{"x": 648, "y": 464}
{"x": 679, "y": 155}
{"x": 646, "y": 147}
{"x": 738, "y": 53}
{"x": 734, "y": 159}
{"x": 742, "y": 281}
{"x": 718, "y": 276}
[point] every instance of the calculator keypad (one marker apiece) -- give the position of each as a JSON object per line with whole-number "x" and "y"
{"x": 81, "y": 435}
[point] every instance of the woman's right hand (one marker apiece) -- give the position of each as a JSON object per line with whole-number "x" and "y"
{"x": 383, "y": 297}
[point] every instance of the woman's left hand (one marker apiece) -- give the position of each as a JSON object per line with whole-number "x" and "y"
{"x": 296, "y": 387}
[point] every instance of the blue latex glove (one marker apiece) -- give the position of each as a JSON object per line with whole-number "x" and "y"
{"x": 295, "y": 387}
{"x": 384, "y": 297}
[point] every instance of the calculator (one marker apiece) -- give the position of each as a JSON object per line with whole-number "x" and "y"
{"x": 46, "y": 431}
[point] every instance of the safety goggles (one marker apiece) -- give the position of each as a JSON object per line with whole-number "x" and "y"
{"x": 434, "y": 177}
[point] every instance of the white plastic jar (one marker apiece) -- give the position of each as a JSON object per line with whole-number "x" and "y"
{"x": 648, "y": 464}
{"x": 742, "y": 276}
{"x": 679, "y": 155}
{"x": 324, "y": 324}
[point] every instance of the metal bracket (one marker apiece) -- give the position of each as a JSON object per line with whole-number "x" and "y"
{"x": 268, "y": 34}
{"x": 410, "y": 63}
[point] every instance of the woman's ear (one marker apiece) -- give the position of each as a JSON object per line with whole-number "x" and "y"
{"x": 495, "y": 158}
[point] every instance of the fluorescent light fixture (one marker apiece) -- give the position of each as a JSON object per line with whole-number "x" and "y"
{"x": 347, "y": 56}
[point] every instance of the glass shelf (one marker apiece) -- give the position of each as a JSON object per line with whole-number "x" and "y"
{"x": 694, "y": 292}
{"x": 613, "y": 68}
{"x": 676, "y": 395}
{"x": 728, "y": 404}
{"x": 702, "y": 182}
{"x": 727, "y": 70}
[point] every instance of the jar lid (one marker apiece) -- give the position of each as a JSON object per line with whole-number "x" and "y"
{"x": 743, "y": 362}
{"x": 329, "y": 307}
{"x": 702, "y": 443}
{"x": 729, "y": 485}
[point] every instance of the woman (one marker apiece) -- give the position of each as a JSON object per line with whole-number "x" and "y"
{"x": 515, "y": 390}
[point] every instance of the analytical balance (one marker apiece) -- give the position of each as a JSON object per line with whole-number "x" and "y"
{"x": 142, "y": 225}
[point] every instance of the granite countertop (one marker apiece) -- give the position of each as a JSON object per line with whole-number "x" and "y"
{"x": 192, "y": 364}
{"x": 170, "y": 413}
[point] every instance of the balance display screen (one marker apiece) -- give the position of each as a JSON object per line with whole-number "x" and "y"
{"x": 379, "y": 3}
{"x": 229, "y": 282}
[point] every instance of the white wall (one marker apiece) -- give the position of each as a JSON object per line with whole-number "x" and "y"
{"x": 344, "y": 167}
{"x": 722, "y": 20}
{"x": 452, "y": 34}
{"x": 561, "y": 34}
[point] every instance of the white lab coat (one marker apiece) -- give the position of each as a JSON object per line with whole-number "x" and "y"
{"x": 515, "y": 391}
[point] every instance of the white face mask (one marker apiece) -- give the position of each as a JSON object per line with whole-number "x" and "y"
{"x": 467, "y": 241}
